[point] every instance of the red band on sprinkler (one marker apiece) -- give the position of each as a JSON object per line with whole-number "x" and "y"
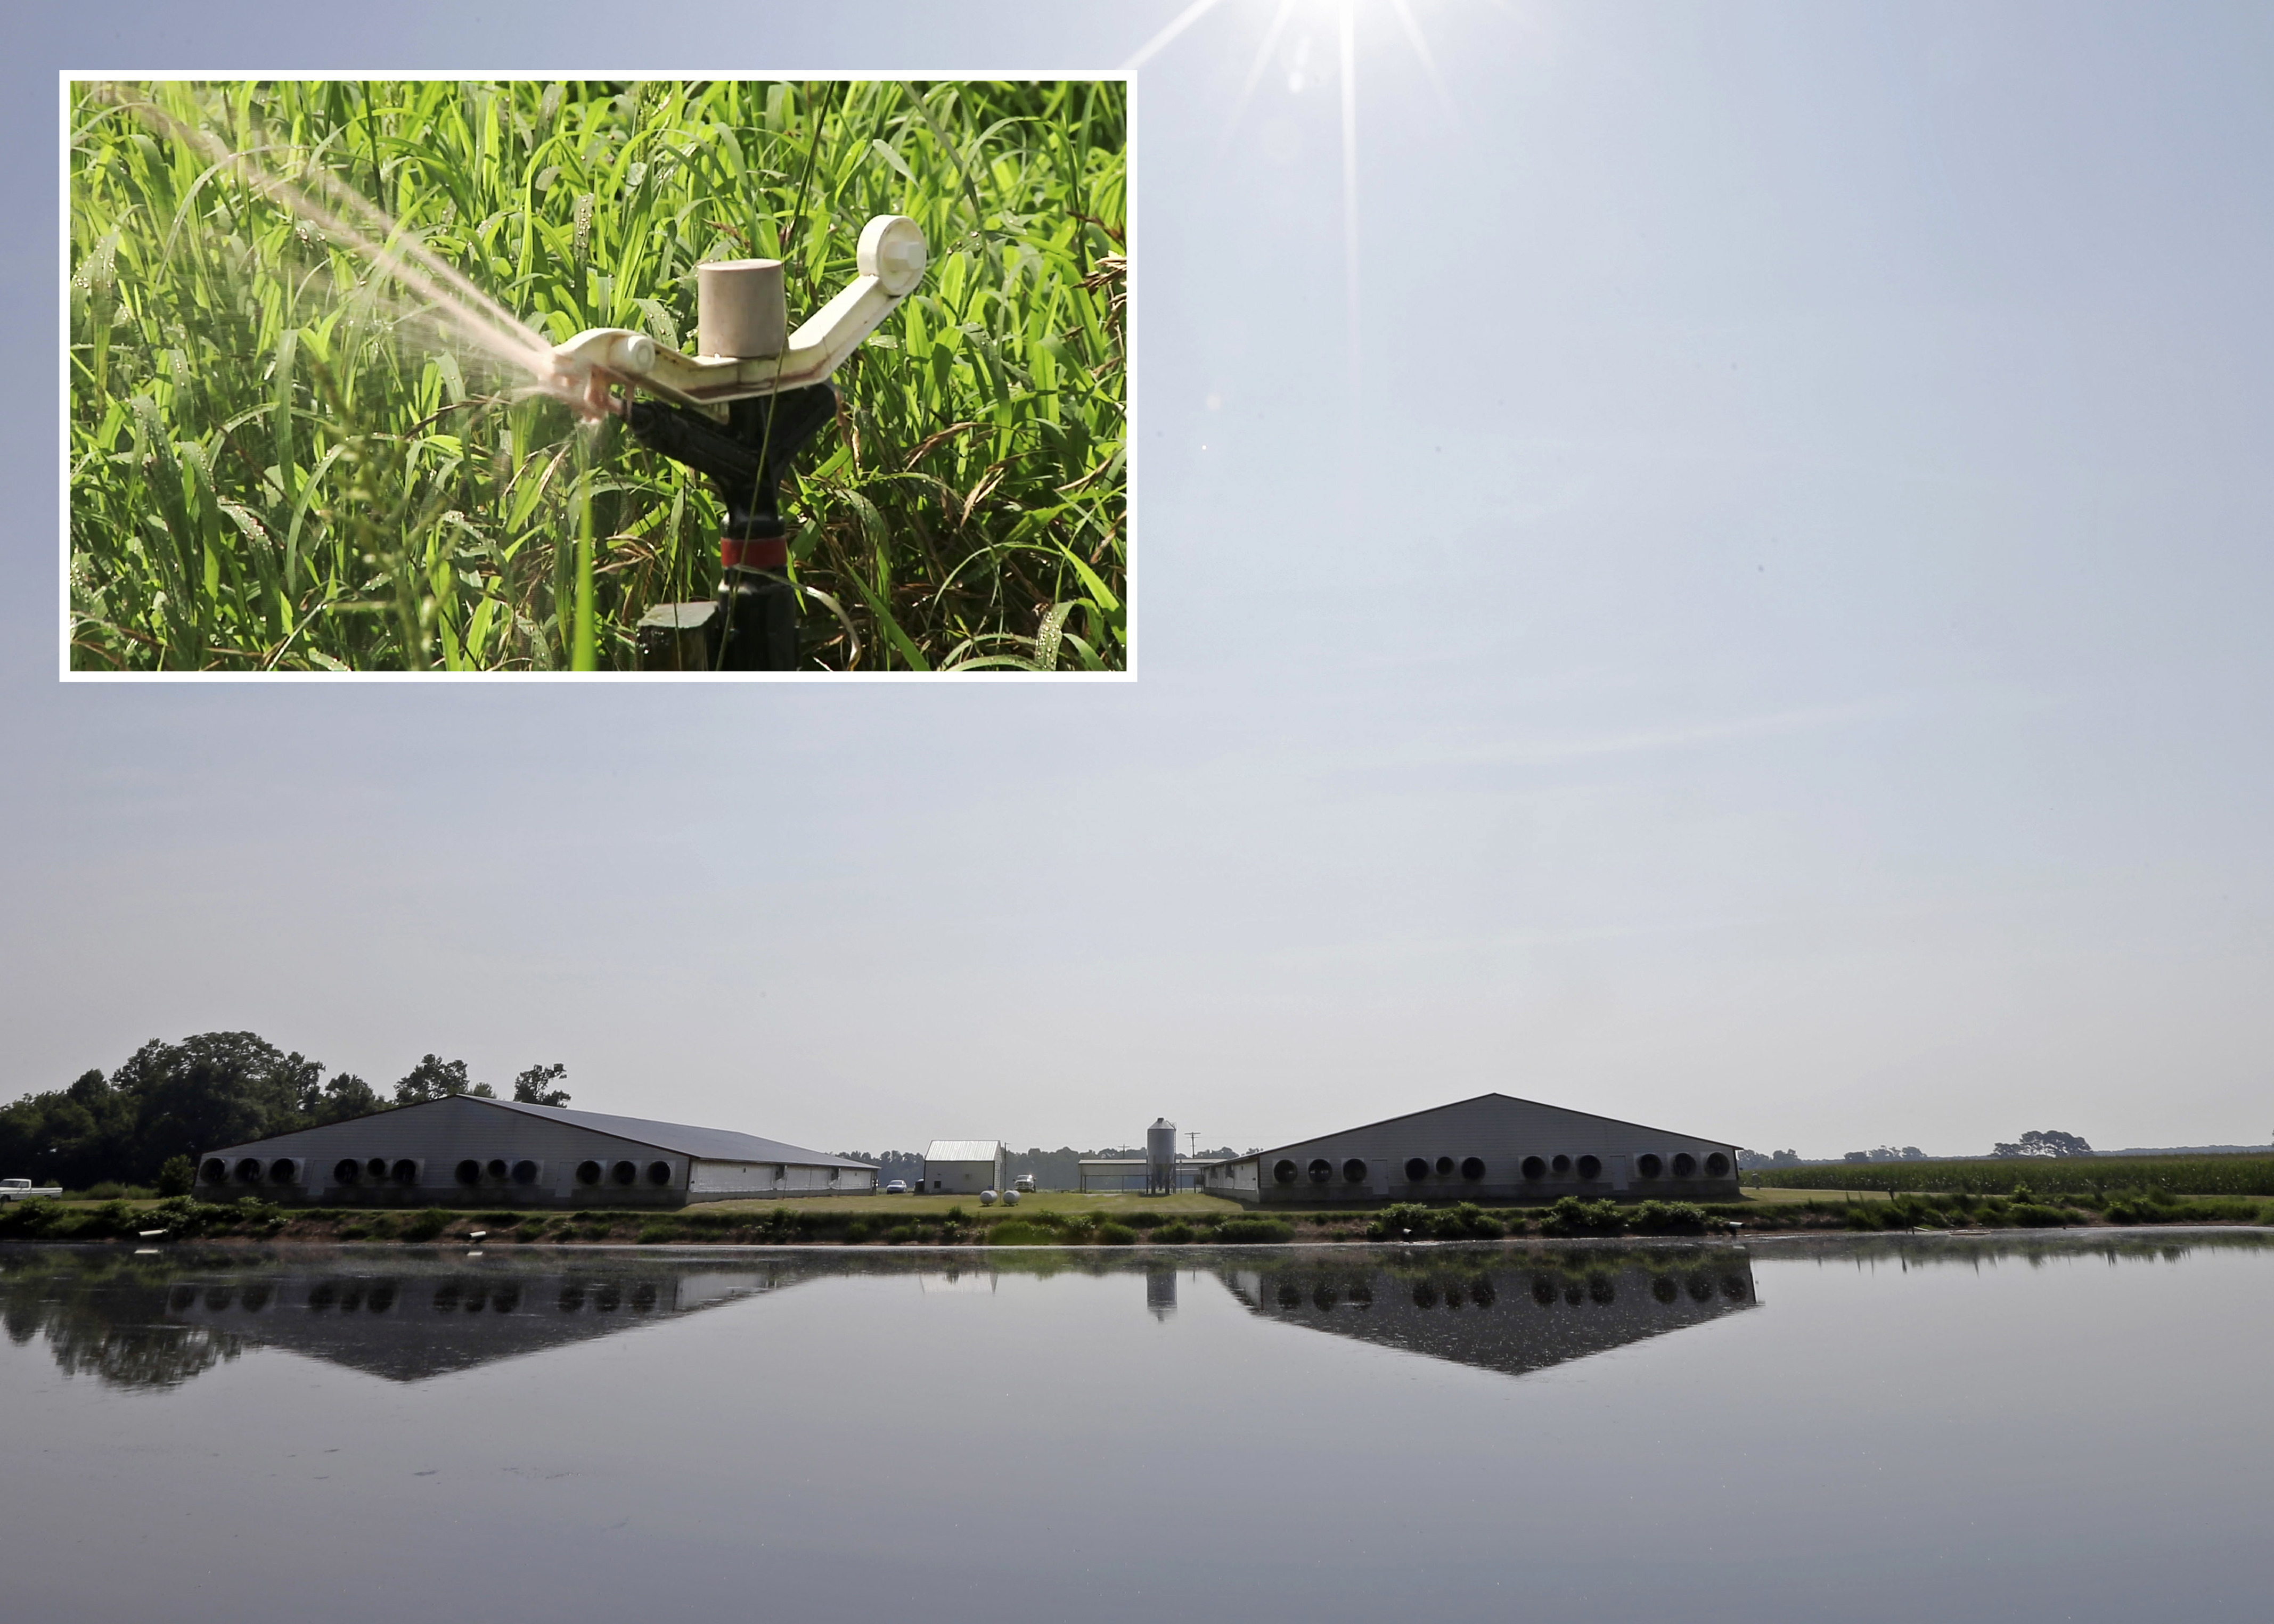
{"x": 764, "y": 552}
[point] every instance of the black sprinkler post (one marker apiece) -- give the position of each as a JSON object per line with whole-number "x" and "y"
{"x": 752, "y": 623}
{"x": 774, "y": 386}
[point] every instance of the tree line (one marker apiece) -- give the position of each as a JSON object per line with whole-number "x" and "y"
{"x": 218, "y": 1088}
{"x": 2037, "y": 1142}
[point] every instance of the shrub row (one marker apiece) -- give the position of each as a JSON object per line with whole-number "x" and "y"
{"x": 49, "y": 1220}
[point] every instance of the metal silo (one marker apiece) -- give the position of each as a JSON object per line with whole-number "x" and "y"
{"x": 1161, "y": 1158}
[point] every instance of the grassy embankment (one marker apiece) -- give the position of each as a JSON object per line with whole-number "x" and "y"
{"x": 278, "y": 462}
{"x": 1066, "y": 1219}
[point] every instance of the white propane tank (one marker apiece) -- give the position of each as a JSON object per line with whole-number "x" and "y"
{"x": 986, "y": 1198}
{"x": 1010, "y": 1198}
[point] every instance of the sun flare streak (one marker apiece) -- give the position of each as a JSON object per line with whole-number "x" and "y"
{"x": 1257, "y": 69}
{"x": 1346, "y": 18}
{"x": 1184, "y": 19}
{"x": 1413, "y": 37}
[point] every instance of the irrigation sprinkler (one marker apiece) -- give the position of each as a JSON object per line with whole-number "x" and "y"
{"x": 737, "y": 412}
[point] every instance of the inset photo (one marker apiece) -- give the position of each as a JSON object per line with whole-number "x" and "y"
{"x": 655, "y": 376}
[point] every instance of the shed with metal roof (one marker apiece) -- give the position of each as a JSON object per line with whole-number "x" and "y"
{"x": 466, "y": 1148}
{"x": 963, "y": 1167}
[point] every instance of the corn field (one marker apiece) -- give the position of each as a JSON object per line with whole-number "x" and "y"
{"x": 281, "y": 461}
{"x": 2078, "y": 1176}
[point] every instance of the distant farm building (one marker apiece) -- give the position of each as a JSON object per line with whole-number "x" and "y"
{"x": 1159, "y": 1171}
{"x": 1492, "y": 1147}
{"x": 1136, "y": 1174}
{"x": 963, "y": 1167}
{"x": 502, "y": 1153}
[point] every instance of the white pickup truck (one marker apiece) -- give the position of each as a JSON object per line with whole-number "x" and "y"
{"x": 20, "y": 1189}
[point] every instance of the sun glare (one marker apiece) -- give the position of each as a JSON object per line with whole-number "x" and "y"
{"x": 1302, "y": 70}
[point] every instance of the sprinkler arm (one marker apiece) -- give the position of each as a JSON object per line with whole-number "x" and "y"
{"x": 892, "y": 263}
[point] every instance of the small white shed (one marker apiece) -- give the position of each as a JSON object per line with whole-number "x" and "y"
{"x": 963, "y": 1167}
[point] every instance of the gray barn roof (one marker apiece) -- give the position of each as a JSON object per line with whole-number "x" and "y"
{"x": 1479, "y": 1099}
{"x": 709, "y": 1144}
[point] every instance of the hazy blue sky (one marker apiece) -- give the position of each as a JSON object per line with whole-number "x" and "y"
{"x": 1778, "y": 645}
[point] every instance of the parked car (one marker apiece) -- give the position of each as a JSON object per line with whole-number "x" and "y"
{"x": 22, "y": 1190}
{"x": 898, "y": 1187}
{"x": 1024, "y": 1184}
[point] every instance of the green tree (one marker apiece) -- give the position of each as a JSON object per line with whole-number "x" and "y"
{"x": 2045, "y": 1142}
{"x": 75, "y": 1136}
{"x": 168, "y": 1100}
{"x": 532, "y": 1087}
{"x": 435, "y": 1078}
{"x": 215, "y": 1088}
{"x": 345, "y": 1096}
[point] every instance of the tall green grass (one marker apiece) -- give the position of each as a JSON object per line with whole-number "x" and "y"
{"x": 277, "y": 464}
{"x": 2076, "y": 1176}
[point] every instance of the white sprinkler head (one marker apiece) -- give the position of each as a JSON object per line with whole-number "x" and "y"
{"x": 740, "y": 318}
{"x": 893, "y": 251}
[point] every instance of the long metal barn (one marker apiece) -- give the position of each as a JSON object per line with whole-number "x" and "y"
{"x": 503, "y": 1153}
{"x": 1492, "y": 1147}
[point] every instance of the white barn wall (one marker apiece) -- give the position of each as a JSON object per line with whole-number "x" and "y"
{"x": 961, "y": 1177}
{"x": 722, "y": 1181}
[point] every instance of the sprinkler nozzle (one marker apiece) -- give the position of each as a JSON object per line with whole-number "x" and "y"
{"x": 891, "y": 257}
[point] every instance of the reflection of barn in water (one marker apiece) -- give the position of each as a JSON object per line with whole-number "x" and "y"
{"x": 409, "y": 1319}
{"x": 1499, "y": 1313}
{"x": 405, "y": 1316}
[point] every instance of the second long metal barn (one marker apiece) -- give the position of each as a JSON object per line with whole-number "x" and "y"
{"x": 1492, "y": 1147}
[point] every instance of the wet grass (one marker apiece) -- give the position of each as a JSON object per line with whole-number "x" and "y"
{"x": 277, "y": 463}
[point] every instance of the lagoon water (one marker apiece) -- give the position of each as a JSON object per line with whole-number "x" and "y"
{"x": 2066, "y": 1428}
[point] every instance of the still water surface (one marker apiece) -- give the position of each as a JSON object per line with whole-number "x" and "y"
{"x": 2070, "y": 1428}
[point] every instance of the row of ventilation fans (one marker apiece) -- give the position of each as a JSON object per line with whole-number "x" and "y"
{"x": 1534, "y": 1169}
{"x": 405, "y": 1172}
